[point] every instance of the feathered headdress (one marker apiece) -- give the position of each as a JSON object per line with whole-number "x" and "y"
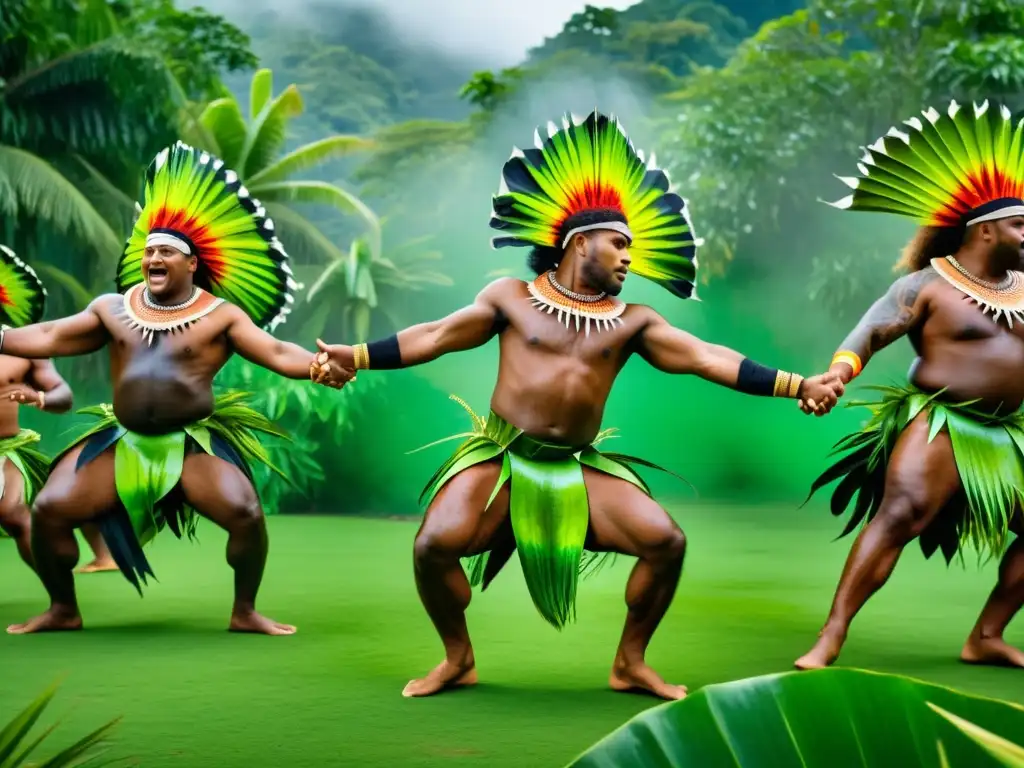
{"x": 591, "y": 165}
{"x": 956, "y": 169}
{"x": 192, "y": 202}
{"x": 22, "y": 295}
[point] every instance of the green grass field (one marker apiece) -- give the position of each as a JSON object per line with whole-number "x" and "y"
{"x": 755, "y": 589}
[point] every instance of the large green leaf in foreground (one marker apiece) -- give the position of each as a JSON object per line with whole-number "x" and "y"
{"x": 16, "y": 748}
{"x": 833, "y": 718}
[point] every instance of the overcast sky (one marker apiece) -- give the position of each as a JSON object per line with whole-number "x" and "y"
{"x": 499, "y": 31}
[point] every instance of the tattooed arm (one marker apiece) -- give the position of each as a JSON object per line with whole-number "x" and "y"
{"x": 898, "y": 312}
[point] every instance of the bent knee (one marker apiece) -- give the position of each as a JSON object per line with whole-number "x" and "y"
{"x": 431, "y": 546}
{"x": 49, "y": 504}
{"x": 247, "y": 511}
{"x": 15, "y": 519}
{"x": 904, "y": 517}
{"x": 668, "y": 545}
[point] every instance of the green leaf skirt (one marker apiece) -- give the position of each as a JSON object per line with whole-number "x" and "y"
{"x": 31, "y": 463}
{"x": 548, "y": 507}
{"x": 147, "y": 473}
{"x": 989, "y": 454}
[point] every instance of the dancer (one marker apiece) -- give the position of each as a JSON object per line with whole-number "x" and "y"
{"x": 530, "y": 478}
{"x": 35, "y": 383}
{"x": 941, "y": 459}
{"x": 201, "y": 272}
{"x": 102, "y": 559}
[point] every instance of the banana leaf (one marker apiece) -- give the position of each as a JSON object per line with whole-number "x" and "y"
{"x": 16, "y": 749}
{"x": 835, "y": 718}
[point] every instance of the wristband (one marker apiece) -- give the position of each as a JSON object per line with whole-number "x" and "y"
{"x": 852, "y": 359}
{"x": 381, "y": 355}
{"x": 756, "y": 379}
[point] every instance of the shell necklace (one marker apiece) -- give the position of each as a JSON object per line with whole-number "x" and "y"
{"x": 552, "y": 298}
{"x": 1002, "y": 299}
{"x": 144, "y": 314}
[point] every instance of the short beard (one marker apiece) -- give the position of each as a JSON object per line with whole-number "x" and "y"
{"x": 597, "y": 278}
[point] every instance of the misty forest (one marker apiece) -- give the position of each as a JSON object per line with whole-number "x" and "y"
{"x": 376, "y": 155}
{"x": 377, "y": 158}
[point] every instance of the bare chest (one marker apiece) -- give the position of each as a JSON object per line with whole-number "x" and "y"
{"x": 203, "y": 341}
{"x": 544, "y": 332}
{"x": 959, "y": 318}
{"x": 14, "y": 370}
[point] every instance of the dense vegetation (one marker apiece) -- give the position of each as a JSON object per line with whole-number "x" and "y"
{"x": 378, "y": 156}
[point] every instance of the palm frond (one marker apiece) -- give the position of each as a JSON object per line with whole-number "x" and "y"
{"x": 223, "y": 119}
{"x": 260, "y": 91}
{"x": 309, "y": 156}
{"x": 322, "y": 193}
{"x": 266, "y": 134}
{"x": 14, "y": 751}
{"x": 80, "y": 295}
{"x": 302, "y": 239}
{"x": 116, "y": 206}
{"x": 104, "y": 98}
{"x": 30, "y": 186}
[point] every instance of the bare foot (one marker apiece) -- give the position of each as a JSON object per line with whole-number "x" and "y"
{"x": 250, "y": 621}
{"x": 98, "y": 565}
{"x": 54, "y": 620}
{"x": 442, "y": 677}
{"x": 991, "y": 650}
{"x": 640, "y": 677}
{"x": 824, "y": 653}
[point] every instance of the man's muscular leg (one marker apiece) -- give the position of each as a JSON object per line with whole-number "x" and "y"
{"x": 102, "y": 559}
{"x": 15, "y": 516}
{"x": 456, "y": 525}
{"x": 985, "y": 644}
{"x": 920, "y": 479}
{"x": 220, "y": 492}
{"x": 625, "y": 520}
{"x": 69, "y": 499}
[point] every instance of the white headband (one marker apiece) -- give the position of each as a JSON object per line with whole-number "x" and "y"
{"x": 1002, "y": 213}
{"x": 162, "y": 238}
{"x": 616, "y": 226}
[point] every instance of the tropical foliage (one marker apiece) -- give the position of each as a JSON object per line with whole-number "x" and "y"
{"x": 755, "y": 143}
{"x": 255, "y": 149}
{"x": 317, "y": 419}
{"x": 17, "y": 750}
{"x": 752, "y": 105}
{"x": 828, "y": 717}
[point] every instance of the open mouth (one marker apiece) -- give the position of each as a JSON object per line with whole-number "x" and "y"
{"x": 157, "y": 274}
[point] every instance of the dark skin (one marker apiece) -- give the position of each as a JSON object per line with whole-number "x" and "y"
{"x": 553, "y": 383}
{"x": 102, "y": 559}
{"x": 960, "y": 348}
{"x": 21, "y": 382}
{"x": 157, "y": 389}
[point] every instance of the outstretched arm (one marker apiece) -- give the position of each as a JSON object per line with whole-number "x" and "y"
{"x": 468, "y": 328}
{"x": 259, "y": 347}
{"x": 70, "y": 336}
{"x": 899, "y": 311}
{"x": 672, "y": 350}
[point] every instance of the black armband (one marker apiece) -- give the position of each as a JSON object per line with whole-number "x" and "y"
{"x": 382, "y": 355}
{"x": 756, "y": 379}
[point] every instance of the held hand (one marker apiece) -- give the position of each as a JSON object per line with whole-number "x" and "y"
{"x": 819, "y": 394}
{"x": 24, "y": 394}
{"x": 333, "y": 366}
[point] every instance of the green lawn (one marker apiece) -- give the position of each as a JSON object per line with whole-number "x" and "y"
{"x": 756, "y": 586}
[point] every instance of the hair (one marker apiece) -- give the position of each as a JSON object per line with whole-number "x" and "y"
{"x": 546, "y": 257}
{"x": 930, "y": 243}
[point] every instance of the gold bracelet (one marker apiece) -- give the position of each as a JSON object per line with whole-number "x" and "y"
{"x": 787, "y": 384}
{"x": 360, "y": 356}
{"x": 852, "y": 359}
